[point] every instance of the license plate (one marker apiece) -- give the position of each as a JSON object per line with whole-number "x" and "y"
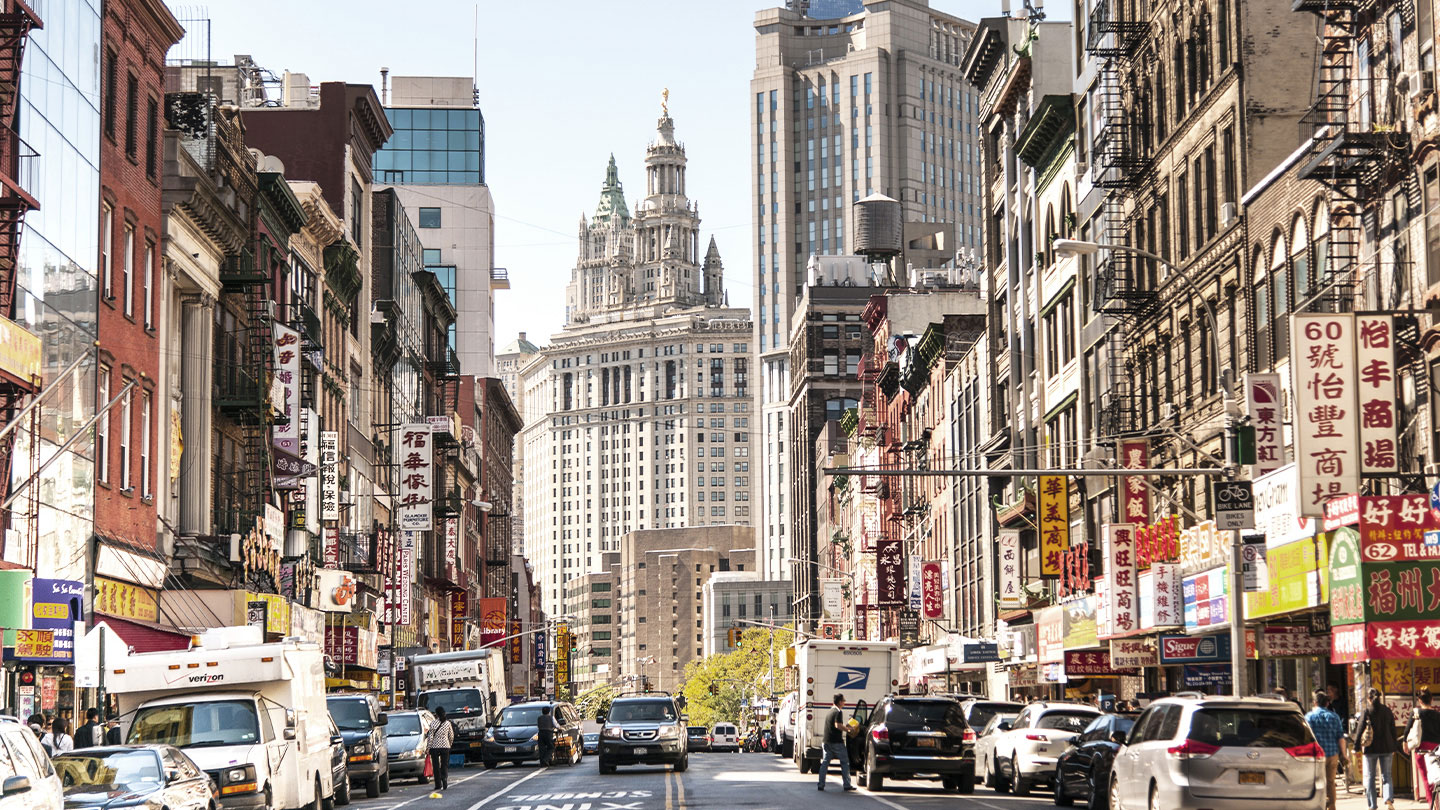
{"x": 639, "y": 751}
{"x": 510, "y": 749}
{"x": 926, "y": 742}
{"x": 1252, "y": 777}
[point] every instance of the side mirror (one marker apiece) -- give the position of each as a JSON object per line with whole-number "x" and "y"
{"x": 1005, "y": 725}
{"x": 1117, "y": 737}
{"x": 289, "y": 733}
{"x": 171, "y": 777}
{"x": 383, "y": 719}
{"x": 336, "y": 739}
{"x": 15, "y": 784}
{"x": 600, "y": 718}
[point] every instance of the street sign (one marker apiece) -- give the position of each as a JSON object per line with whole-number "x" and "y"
{"x": 1252, "y": 564}
{"x": 1234, "y": 505}
{"x": 1435, "y": 496}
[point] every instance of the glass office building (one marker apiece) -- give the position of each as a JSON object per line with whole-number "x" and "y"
{"x": 433, "y": 146}
{"x": 829, "y": 9}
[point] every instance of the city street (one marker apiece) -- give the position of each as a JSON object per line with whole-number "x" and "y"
{"x": 714, "y": 782}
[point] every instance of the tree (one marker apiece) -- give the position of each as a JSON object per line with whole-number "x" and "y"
{"x": 595, "y": 701}
{"x": 716, "y": 687}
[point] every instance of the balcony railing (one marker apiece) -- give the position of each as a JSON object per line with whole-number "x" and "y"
{"x": 357, "y": 553}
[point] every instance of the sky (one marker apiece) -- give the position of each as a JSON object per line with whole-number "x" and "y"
{"x": 562, "y": 85}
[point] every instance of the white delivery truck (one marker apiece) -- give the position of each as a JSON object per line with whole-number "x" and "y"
{"x": 252, "y": 715}
{"x": 469, "y": 685}
{"x": 858, "y": 670}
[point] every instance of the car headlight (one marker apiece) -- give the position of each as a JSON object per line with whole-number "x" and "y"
{"x": 669, "y": 731}
{"x": 360, "y": 748}
{"x": 613, "y": 732}
{"x": 490, "y": 733}
{"x": 535, "y": 736}
{"x": 238, "y": 780}
{"x": 413, "y": 753}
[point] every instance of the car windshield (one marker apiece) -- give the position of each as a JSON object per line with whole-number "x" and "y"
{"x": 591, "y": 737}
{"x": 981, "y": 712}
{"x": 121, "y": 772}
{"x": 195, "y": 725}
{"x": 520, "y": 716}
{"x": 923, "y": 712}
{"x": 403, "y": 725}
{"x": 1065, "y": 721}
{"x": 453, "y": 701}
{"x": 350, "y": 714}
{"x": 1252, "y": 728}
{"x": 642, "y": 711}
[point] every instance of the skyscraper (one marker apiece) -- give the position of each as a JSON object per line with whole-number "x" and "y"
{"x": 845, "y": 107}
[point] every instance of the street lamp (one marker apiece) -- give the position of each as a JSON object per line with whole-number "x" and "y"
{"x": 1077, "y": 247}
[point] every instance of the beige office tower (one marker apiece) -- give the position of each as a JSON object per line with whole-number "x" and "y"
{"x": 637, "y": 413}
{"x": 850, "y": 99}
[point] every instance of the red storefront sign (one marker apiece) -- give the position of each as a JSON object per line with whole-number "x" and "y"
{"x": 1158, "y": 542}
{"x": 1384, "y": 640}
{"x": 932, "y": 590}
{"x": 1134, "y": 496}
{"x": 1392, "y": 528}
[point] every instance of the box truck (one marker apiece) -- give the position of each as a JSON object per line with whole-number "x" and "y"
{"x": 251, "y": 714}
{"x": 858, "y": 670}
{"x": 469, "y": 685}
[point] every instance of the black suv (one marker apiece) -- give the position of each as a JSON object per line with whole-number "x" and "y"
{"x": 516, "y": 738}
{"x": 644, "y": 730}
{"x": 920, "y": 737}
{"x": 362, "y": 724}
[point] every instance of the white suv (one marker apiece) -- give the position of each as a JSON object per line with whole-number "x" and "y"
{"x": 726, "y": 737}
{"x": 1221, "y": 753}
{"x": 1025, "y": 755}
{"x": 27, "y": 778}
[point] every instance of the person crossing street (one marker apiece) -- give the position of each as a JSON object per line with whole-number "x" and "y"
{"x": 545, "y": 727}
{"x": 835, "y": 744}
{"x": 441, "y": 740}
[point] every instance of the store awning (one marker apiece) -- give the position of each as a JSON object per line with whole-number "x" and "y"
{"x": 147, "y": 637}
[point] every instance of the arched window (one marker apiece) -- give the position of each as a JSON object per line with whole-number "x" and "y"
{"x": 1047, "y": 247}
{"x": 1067, "y": 213}
{"x": 1202, "y": 62}
{"x": 1322, "y": 242}
{"x": 1179, "y": 64}
{"x": 1260, "y": 298}
{"x": 1223, "y": 36}
{"x": 1145, "y": 114}
{"x": 1159, "y": 106}
{"x": 1300, "y": 258}
{"x": 1280, "y": 297}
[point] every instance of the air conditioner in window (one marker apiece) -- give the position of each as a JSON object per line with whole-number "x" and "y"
{"x": 1227, "y": 214}
{"x": 1167, "y": 412}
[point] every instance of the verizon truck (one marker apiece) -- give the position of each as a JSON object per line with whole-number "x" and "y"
{"x": 469, "y": 685}
{"x": 252, "y": 715}
{"x": 858, "y": 670}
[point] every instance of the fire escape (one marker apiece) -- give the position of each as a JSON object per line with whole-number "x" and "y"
{"x": 1121, "y": 152}
{"x": 244, "y": 394}
{"x": 1354, "y": 153}
{"x": 16, "y": 159}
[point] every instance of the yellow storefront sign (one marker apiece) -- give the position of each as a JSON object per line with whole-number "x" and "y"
{"x": 19, "y": 352}
{"x": 1298, "y": 579}
{"x": 34, "y": 643}
{"x": 277, "y": 610}
{"x": 126, "y": 601}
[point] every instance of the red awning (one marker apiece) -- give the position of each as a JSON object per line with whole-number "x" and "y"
{"x": 145, "y": 637}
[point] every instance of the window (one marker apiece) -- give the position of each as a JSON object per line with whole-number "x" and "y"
{"x": 1432, "y": 224}
{"x": 145, "y": 445}
{"x": 132, "y": 114}
{"x": 102, "y": 432}
{"x": 125, "y": 426}
{"x": 1261, "y": 297}
{"x": 148, "y": 284}
{"x": 152, "y": 138}
{"x": 112, "y": 90}
{"x": 1300, "y": 260}
{"x": 429, "y": 217}
{"x": 1280, "y": 299}
{"x": 129, "y": 279}
{"x": 107, "y": 249}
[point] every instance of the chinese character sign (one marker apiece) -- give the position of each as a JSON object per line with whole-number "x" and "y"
{"x": 452, "y": 547}
{"x": 1134, "y": 496}
{"x": 1203, "y": 547}
{"x": 1157, "y": 542}
{"x": 1326, "y": 424}
{"x": 1075, "y": 571}
{"x": 287, "y": 383}
{"x": 916, "y": 587}
{"x": 1054, "y": 522}
{"x": 1264, "y": 406}
{"x": 416, "y": 470}
{"x": 1120, "y": 573}
{"x": 1375, "y": 369}
{"x": 1169, "y": 598}
{"x": 517, "y": 643}
{"x": 1393, "y": 527}
{"x": 329, "y": 475}
{"x": 1009, "y": 552}
{"x": 933, "y": 590}
{"x": 888, "y": 567}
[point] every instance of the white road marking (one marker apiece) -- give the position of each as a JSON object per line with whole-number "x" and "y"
{"x": 969, "y": 799}
{"x": 502, "y": 791}
{"x": 424, "y": 794}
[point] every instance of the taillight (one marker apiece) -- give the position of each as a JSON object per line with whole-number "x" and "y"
{"x": 880, "y": 734}
{"x": 1309, "y": 752}
{"x": 969, "y": 735}
{"x": 1192, "y": 749}
{"x": 1037, "y": 737}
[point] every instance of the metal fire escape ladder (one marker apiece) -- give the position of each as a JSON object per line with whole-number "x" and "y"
{"x": 16, "y": 22}
{"x": 249, "y": 404}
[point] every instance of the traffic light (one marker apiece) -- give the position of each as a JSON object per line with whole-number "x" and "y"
{"x": 1244, "y": 449}
{"x": 25, "y": 676}
{"x": 713, "y": 689}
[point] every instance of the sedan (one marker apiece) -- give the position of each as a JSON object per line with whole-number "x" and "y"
{"x": 406, "y": 737}
{"x": 592, "y": 743}
{"x": 698, "y": 738}
{"x": 1083, "y": 770}
{"x": 152, "y": 776}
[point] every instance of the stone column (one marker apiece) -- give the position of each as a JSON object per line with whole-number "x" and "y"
{"x": 197, "y": 345}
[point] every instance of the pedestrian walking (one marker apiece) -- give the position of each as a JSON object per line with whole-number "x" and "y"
{"x": 1377, "y": 742}
{"x": 1422, "y": 741}
{"x": 90, "y": 734}
{"x": 545, "y": 725}
{"x": 1329, "y": 731}
{"x": 835, "y": 744}
{"x": 58, "y": 741}
{"x": 1339, "y": 702}
{"x": 112, "y": 732}
{"x": 440, "y": 741}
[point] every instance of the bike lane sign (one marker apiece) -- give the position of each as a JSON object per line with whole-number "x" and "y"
{"x": 1234, "y": 505}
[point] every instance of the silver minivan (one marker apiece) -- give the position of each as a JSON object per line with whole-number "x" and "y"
{"x": 1220, "y": 753}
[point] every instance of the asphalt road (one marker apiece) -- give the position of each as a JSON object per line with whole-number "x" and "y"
{"x": 713, "y": 782}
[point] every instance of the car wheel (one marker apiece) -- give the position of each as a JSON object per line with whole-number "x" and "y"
{"x": 1114, "y": 794}
{"x": 965, "y": 784}
{"x": 1019, "y": 784}
{"x": 372, "y": 789}
{"x": 385, "y": 782}
{"x": 326, "y": 802}
{"x": 606, "y": 767}
{"x": 490, "y": 764}
{"x": 1061, "y": 800}
{"x": 683, "y": 764}
{"x": 990, "y": 780}
{"x": 1002, "y": 781}
{"x": 342, "y": 791}
{"x": 950, "y": 784}
{"x": 874, "y": 782}
{"x": 1098, "y": 797}
{"x": 803, "y": 764}
{"x": 1154, "y": 798}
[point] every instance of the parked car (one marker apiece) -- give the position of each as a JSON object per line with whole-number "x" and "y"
{"x": 724, "y": 737}
{"x": 698, "y": 738}
{"x": 406, "y": 740}
{"x": 362, "y": 724}
{"x": 339, "y": 764}
{"x": 785, "y": 725}
{"x": 1025, "y": 754}
{"x": 985, "y": 744}
{"x": 152, "y": 776}
{"x": 644, "y": 730}
{"x": 920, "y": 737}
{"x": 592, "y": 743}
{"x": 516, "y": 738}
{"x": 27, "y": 777}
{"x": 1221, "y": 753}
{"x": 978, "y": 711}
{"x": 1083, "y": 770}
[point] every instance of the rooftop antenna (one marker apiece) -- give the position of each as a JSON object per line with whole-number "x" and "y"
{"x": 475, "y": 69}
{"x": 384, "y": 87}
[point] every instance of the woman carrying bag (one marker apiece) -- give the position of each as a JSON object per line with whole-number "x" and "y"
{"x": 1422, "y": 741}
{"x": 1378, "y": 743}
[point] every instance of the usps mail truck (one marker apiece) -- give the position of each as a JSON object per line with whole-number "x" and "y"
{"x": 858, "y": 670}
{"x": 252, "y": 715}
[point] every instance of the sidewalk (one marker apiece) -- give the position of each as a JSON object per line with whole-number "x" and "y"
{"x": 1356, "y": 801}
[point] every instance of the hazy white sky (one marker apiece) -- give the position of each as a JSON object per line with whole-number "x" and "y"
{"x": 562, "y": 85}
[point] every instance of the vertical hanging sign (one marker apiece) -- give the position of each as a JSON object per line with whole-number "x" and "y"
{"x": 1120, "y": 573}
{"x": 1326, "y": 444}
{"x": 416, "y": 488}
{"x": 1263, "y": 405}
{"x": 1134, "y": 497}
{"x": 932, "y": 585}
{"x": 1054, "y": 522}
{"x": 329, "y": 475}
{"x": 916, "y": 587}
{"x": 1375, "y": 367}
{"x": 452, "y": 548}
{"x": 888, "y": 573}
{"x": 1009, "y": 565}
{"x": 287, "y": 383}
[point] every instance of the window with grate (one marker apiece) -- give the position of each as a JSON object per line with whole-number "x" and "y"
{"x": 132, "y": 114}
{"x": 152, "y": 138}
{"x": 112, "y": 79}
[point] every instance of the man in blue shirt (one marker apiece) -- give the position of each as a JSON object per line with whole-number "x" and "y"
{"x": 1329, "y": 731}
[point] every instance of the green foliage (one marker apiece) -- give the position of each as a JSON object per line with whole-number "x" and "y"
{"x": 595, "y": 701}
{"x": 735, "y": 676}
